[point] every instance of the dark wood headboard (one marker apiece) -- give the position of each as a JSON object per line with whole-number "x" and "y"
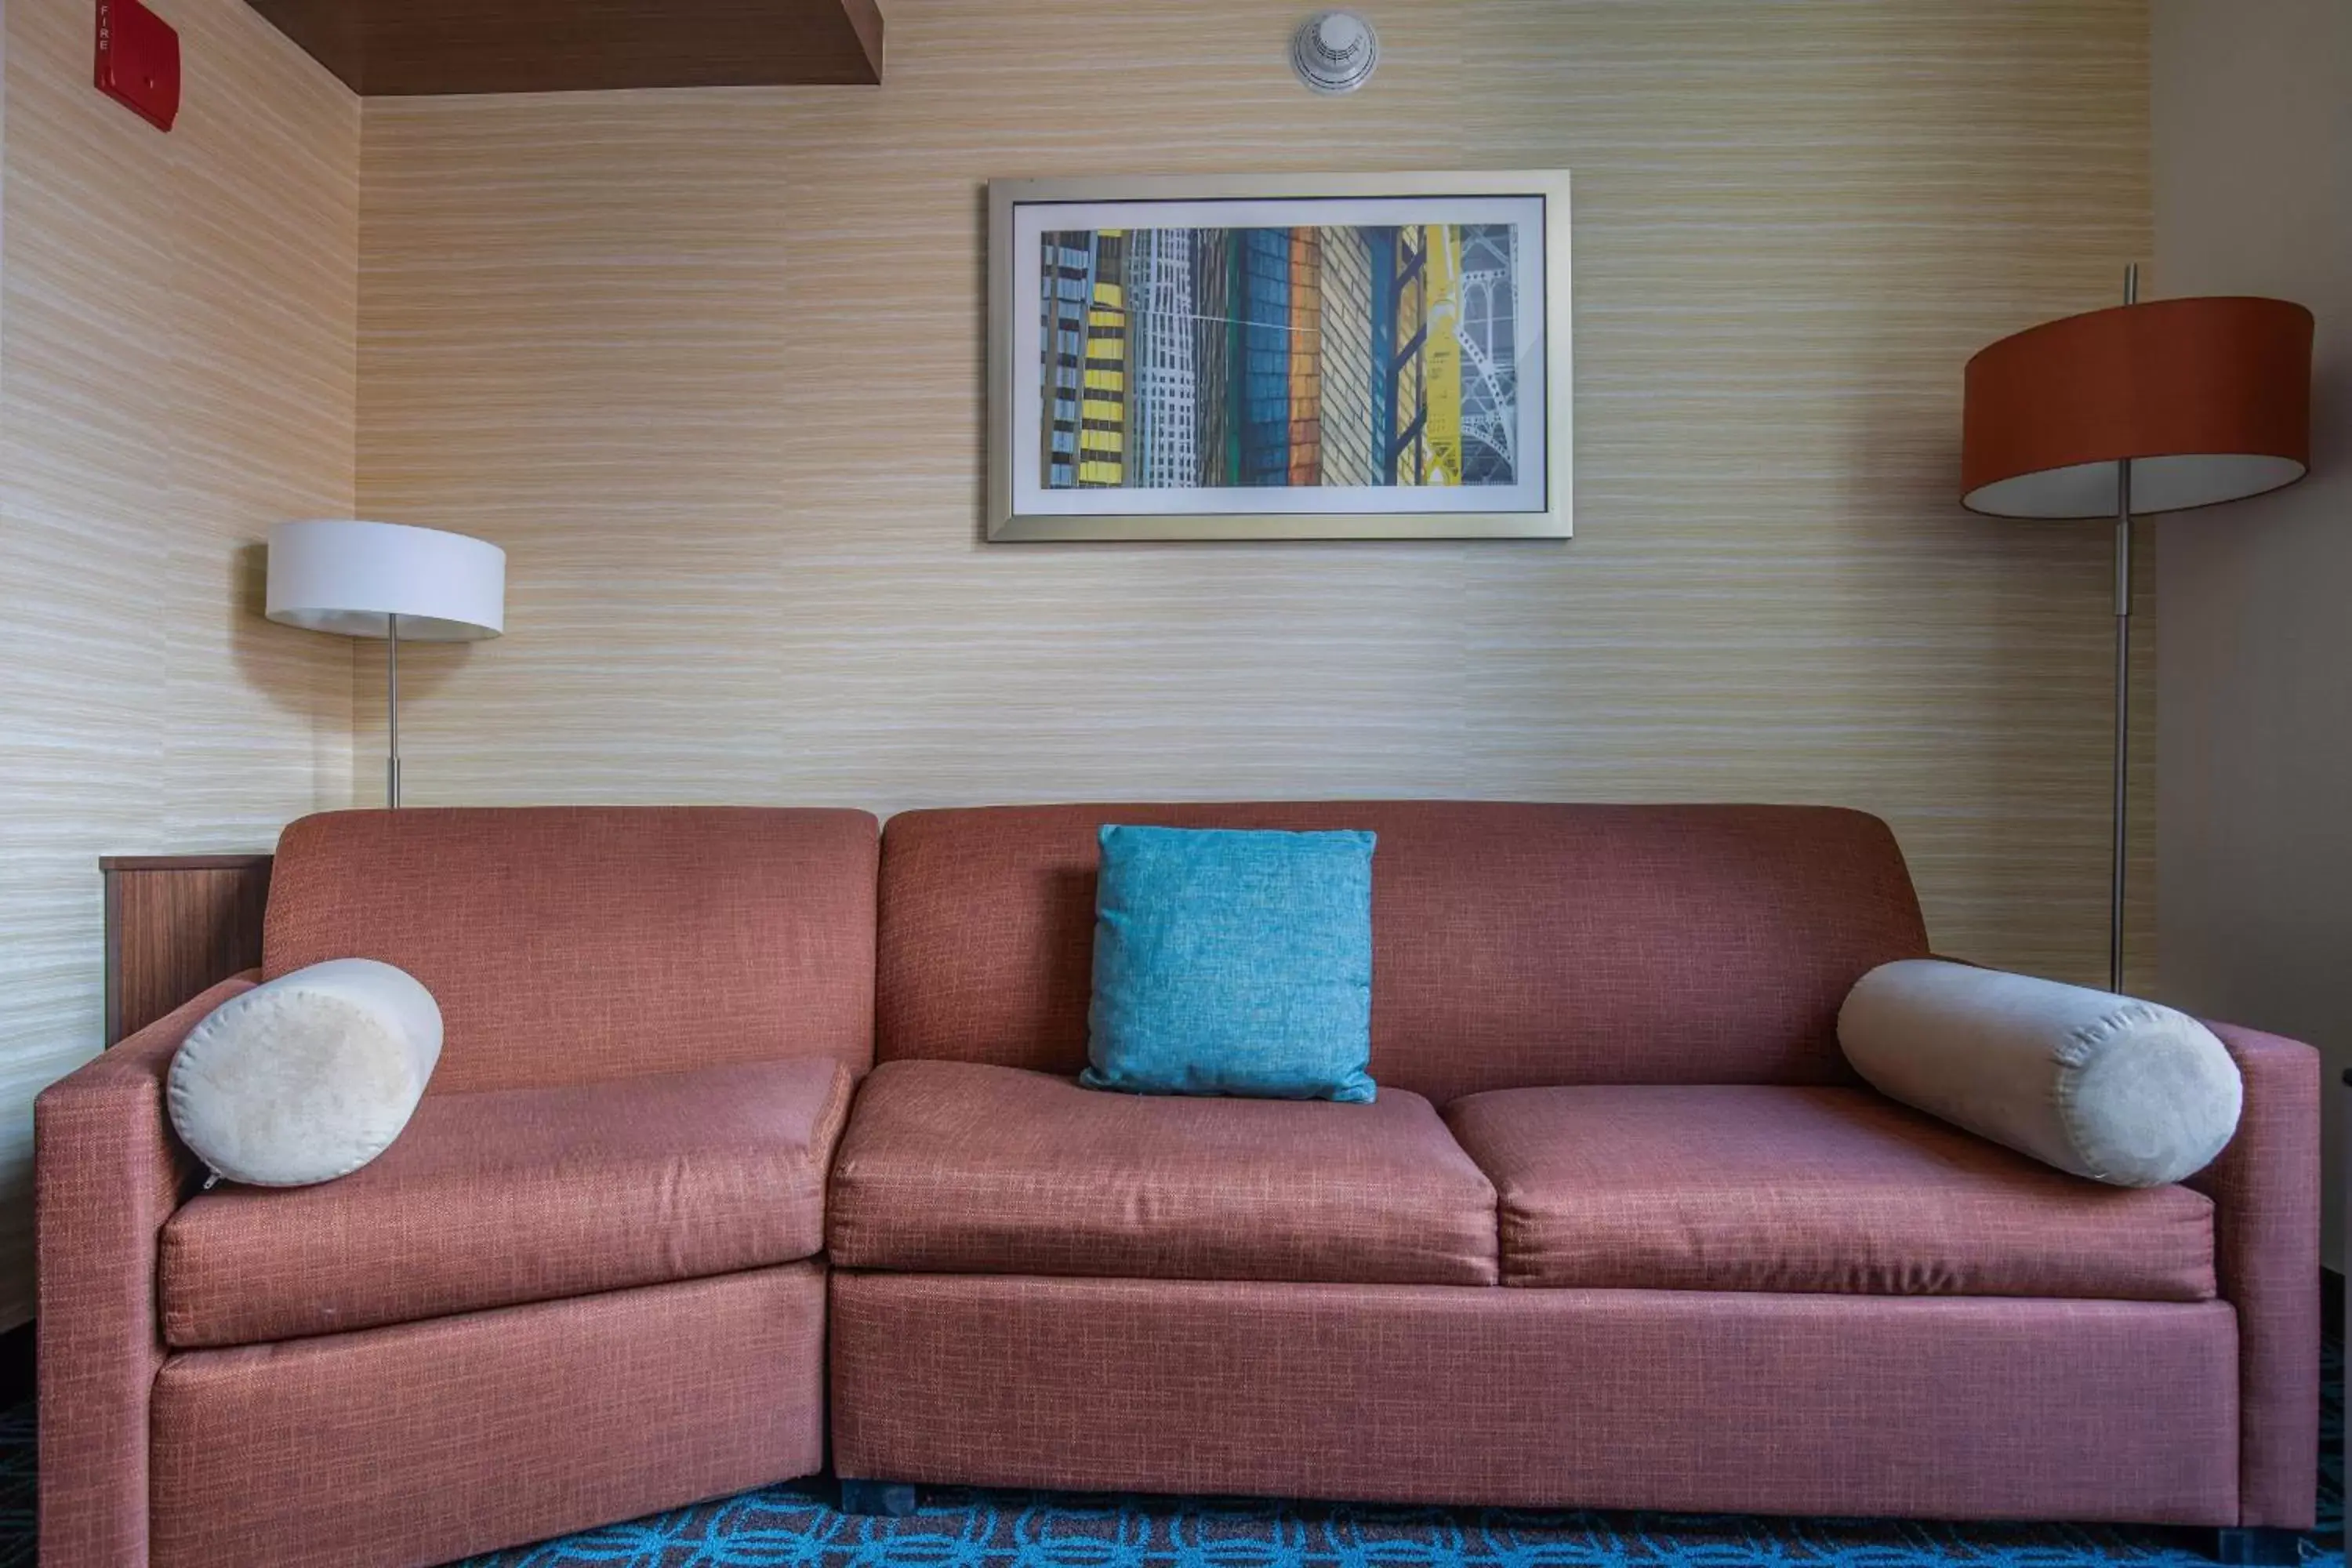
{"x": 176, "y": 924}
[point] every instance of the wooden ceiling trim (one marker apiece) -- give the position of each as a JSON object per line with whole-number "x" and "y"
{"x": 403, "y": 49}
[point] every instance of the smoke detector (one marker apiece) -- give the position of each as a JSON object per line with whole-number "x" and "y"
{"x": 1335, "y": 52}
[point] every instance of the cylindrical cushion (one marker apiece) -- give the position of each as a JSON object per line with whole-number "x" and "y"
{"x": 2107, "y": 1087}
{"x": 309, "y": 1076}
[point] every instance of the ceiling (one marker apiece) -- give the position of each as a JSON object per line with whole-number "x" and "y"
{"x": 412, "y": 48}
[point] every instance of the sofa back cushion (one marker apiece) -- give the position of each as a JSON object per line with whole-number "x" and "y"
{"x": 571, "y": 944}
{"x": 1513, "y": 945}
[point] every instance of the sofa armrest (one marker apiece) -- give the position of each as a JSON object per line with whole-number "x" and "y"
{"x": 107, "y": 1172}
{"x": 2266, "y": 1192}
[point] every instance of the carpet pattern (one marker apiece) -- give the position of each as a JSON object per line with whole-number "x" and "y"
{"x": 795, "y": 1526}
{"x": 967, "y": 1529}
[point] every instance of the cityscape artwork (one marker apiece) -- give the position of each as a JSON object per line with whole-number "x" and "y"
{"x": 1210, "y": 358}
{"x": 1294, "y": 361}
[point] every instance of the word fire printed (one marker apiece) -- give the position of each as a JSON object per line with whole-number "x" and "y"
{"x": 1336, "y": 356}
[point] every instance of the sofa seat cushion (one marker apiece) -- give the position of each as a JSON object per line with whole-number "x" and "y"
{"x": 966, "y": 1167}
{"x": 1779, "y": 1189}
{"x": 509, "y": 1195}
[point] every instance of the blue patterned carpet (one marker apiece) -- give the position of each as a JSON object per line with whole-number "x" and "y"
{"x": 795, "y": 1526}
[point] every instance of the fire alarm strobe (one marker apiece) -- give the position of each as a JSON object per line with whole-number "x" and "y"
{"x": 139, "y": 60}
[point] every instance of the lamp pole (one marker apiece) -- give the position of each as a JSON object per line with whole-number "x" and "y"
{"x": 2120, "y": 871}
{"x": 391, "y": 714}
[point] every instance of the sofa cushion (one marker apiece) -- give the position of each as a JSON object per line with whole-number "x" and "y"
{"x": 513, "y": 1195}
{"x": 1765, "y": 1188}
{"x": 963, "y": 1167}
{"x": 1513, "y": 945}
{"x": 567, "y": 944}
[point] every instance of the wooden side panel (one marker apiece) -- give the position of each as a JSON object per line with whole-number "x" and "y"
{"x": 175, "y": 925}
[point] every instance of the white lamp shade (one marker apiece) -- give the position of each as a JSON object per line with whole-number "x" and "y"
{"x": 353, "y": 577}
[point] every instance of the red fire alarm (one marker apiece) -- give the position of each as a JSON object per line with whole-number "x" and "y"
{"x": 139, "y": 60}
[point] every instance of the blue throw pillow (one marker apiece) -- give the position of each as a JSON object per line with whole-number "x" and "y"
{"x": 1233, "y": 962}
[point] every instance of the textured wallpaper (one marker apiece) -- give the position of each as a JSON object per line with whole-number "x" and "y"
{"x": 177, "y": 374}
{"x": 2253, "y": 195}
{"x": 710, "y": 367}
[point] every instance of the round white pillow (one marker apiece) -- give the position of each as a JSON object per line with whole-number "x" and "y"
{"x": 309, "y": 1076}
{"x": 2123, "y": 1091}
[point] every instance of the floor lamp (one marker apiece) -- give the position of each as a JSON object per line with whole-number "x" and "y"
{"x": 2133, "y": 410}
{"x": 385, "y": 580}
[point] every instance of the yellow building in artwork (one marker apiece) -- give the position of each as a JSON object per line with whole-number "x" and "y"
{"x": 1442, "y": 389}
{"x": 1306, "y": 357}
{"x": 1102, "y": 416}
{"x": 1428, "y": 364}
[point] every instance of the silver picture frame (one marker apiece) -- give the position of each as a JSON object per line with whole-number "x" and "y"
{"x": 1464, "y": 432}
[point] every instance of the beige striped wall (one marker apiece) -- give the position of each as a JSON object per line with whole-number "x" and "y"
{"x": 709, "y": 365}
{"x": 2253, "y": 195}
{"x": 177, "y": 372}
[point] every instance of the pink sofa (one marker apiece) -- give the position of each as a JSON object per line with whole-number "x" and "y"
{"x": 584, "y": 1284}
{"x": 1622, "y": 1230}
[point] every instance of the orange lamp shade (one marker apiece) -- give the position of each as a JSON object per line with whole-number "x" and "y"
{"x": 2209, "y": 400}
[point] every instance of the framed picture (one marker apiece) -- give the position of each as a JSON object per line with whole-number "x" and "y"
{"x": 1286, "y": 356}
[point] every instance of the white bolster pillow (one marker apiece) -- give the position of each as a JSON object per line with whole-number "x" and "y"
{"x": 2120, "y": 1091}
{"x": 309, "y": 1076}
